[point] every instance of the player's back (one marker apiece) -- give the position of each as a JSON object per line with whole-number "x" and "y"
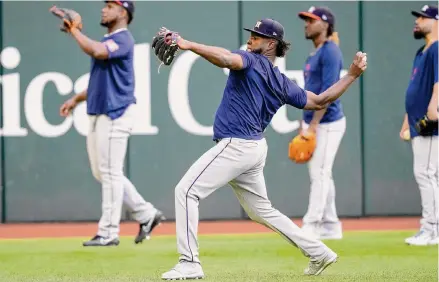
{"x": 252, "y": 96}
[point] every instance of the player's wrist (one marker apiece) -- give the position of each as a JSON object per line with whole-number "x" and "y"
{"x": 352, "y": 75}
{"x": 313, "y": 126}
{"x": 74, "y": 31}
{"x": 76, "y": 99}
{"x": 185, "y": 44}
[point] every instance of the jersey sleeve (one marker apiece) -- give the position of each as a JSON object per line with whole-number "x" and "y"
{"x": 294, "y": 95}
{"x": 119, "y": 45}
{"x": 331, "y": 65}
{"x": 247, "y": 58}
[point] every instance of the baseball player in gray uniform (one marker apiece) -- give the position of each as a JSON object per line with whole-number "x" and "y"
{"x": 110, "y": 104}
{"x": 421, "y": 105}
{"x": 322, "y": 69}
{"x": 255, "y": 90}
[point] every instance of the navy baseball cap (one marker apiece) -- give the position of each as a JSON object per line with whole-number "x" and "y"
{"x": 319, "y": 13}
{"x": 268, "y": 28}
{"x": 427, "y": 12}
{"x": 128, "y": 5}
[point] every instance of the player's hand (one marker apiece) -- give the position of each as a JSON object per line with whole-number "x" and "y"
{"x": 404, "y": 134}
{"x": 67, "y": 107}
{"x": 358, "y": 65}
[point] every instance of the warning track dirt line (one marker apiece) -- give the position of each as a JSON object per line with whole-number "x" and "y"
{"x": 50, "y": 230}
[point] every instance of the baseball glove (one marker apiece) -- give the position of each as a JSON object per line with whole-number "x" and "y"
{"x": 425, "y": 126}
{"x": 165, "y": 45}
{"x": 69, "y": 17}
{"x": 301, "y": 147}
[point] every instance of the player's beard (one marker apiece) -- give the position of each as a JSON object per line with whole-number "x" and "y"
{"x": 418, "y": 34}
{"x": 257, "y": 51}
{"x": 107, "y": 23}
{"x": 104, "y": 23}
{"x": 312, "y": 36}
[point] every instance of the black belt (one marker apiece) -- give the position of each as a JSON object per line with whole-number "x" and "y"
{"x": 217, "y": 140}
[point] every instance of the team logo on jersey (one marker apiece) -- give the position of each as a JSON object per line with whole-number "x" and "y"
{"x": 307, "y": 70}
{"x": 415, "y": 70}
{"x": 112, "y": 46}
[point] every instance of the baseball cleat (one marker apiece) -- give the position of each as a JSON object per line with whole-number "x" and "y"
{"x": 183, "y": 271}
{"x": 99, "y": 241}
{"x": 317, "y": 267}
{"x": 422, "y": 238}
{"x": 145, "y": 229}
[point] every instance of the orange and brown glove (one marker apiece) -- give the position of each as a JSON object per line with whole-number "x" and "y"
{"x": 301, "y": 147}
{"x": 71, "y": 19}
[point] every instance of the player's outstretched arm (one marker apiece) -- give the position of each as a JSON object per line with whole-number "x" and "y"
{"x": 218, "y": 56}
{"x": 318, "y": 102}
{"x": 95, "y": 49}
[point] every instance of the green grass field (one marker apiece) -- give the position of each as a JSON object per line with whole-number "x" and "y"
{"x": 363, "y": 256}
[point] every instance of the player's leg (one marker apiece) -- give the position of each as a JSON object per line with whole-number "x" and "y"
{"x": 331, "y": 227}
{"x": 425, "y": 169}
{"x": 92, "y": 151}
{"x": 142, "y": 211}
{"x": 251, "y": 192}
{"x": 214, "y": 169}
{"x": 321, "y": 218}
{"x": 319, "y": 187}
{"x": 112, "y": 138}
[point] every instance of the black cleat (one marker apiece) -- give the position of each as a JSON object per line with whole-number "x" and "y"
{"x": 99, "y": 241}
{"x": 145, "y": 229}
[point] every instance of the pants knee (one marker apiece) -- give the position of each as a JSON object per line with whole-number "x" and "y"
{"x": 109, "y": 174}
{"x": 182, "y": 191}
{"x": 422, "y": 174}
{"x": 254, "y": 216}
{"x": 262, "y": 212}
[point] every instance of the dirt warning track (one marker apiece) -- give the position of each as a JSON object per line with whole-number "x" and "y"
{"x": 50, "y": 230}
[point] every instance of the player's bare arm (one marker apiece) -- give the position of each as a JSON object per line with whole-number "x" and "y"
{"x": 318, "y": 115}
{"x": 70, "y": 104}
{"x": 319, "y": 102}
{"x": 218, "y": 56}
{"x": 93, "y": 48}
{"x": 432, "y": 112}
{"x": 404, "y": 127}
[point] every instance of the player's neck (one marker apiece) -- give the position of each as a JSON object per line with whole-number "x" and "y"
{"x": 271, "y": 57}
{"x": 319, "y": 40}
{"x": 430, "y": 38}
{"x": 116, "y": 26}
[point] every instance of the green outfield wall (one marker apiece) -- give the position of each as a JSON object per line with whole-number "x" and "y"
{"x": 45, "y": 175}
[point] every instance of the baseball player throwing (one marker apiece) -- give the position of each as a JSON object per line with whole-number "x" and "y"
{"x": 322, "y": 69}
{"x": 110, "y": 104}
{"x": 421, "y": 105}
{"x": 254, "y": 91}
